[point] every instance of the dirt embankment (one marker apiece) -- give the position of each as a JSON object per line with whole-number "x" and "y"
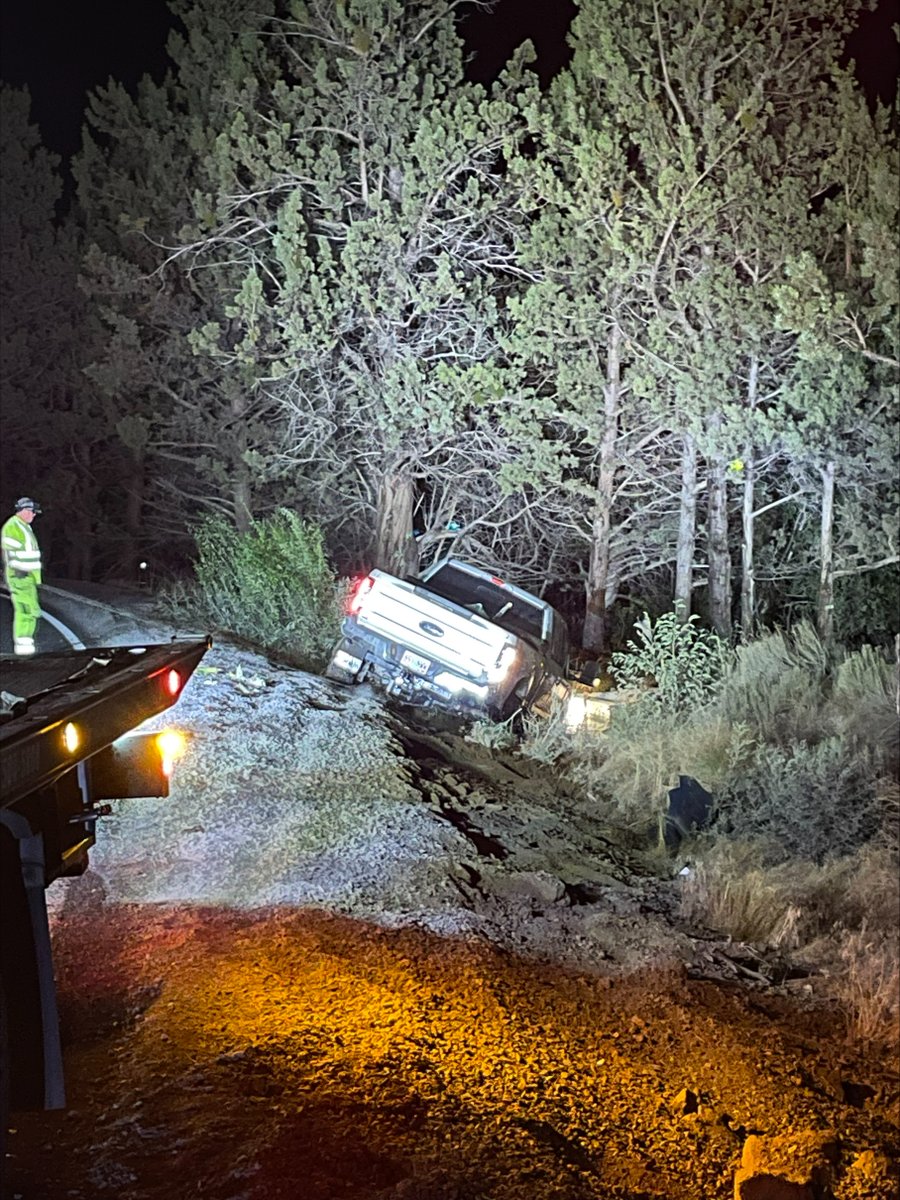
{"x": 355, "y": 958}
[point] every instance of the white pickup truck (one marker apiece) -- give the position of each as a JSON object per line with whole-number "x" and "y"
{"x": 456, "y": 638}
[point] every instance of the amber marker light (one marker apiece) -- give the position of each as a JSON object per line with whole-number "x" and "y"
{"x": 171, "y": 744}
{"x": 71, "y": 737}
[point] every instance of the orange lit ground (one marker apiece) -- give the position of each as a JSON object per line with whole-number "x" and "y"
{"x": 295, "y": 1055}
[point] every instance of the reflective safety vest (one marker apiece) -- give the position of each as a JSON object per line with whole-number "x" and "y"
{"x": 21, "y": 553}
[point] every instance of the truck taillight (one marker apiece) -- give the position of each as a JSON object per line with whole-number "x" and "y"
{"x": 173, "y": 682}
{"x": 358, "y": 594}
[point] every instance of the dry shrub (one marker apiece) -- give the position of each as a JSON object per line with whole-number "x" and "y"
{"x": 640, "y": 757}
{"x": 492, "y": 735}
{"x": 548, "y": 739}
{"x": 887, "y": 794}
{"x": 868, "y": 985}
{"x": 871, "y": 895}
{"x": 730, "y": 891}
{"x": 741, "y": 889}
{"x": 863, "y": 705}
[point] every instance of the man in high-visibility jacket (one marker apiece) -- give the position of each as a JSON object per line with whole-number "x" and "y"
{"x": 22, "y": 569}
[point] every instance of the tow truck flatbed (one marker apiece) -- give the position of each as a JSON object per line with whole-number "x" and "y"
{"x": 106, "y": 690}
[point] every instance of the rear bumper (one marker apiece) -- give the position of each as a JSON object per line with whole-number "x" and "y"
{"x": 366, "y": 656}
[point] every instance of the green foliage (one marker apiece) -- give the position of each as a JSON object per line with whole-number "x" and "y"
{"x": 271, "y": 586}
{"x": 776, "y": 685}
{"x": 685, "y": 663}
{"x": 811, "y": 801}
{"x": 865, "y": 605}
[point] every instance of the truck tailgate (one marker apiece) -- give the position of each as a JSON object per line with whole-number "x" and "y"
{"x": 398, "y": 611}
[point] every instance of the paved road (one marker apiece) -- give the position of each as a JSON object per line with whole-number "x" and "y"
{"x": 52, "y": 634}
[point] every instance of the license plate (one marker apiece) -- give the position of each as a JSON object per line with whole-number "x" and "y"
{"x": 413, "y": 662}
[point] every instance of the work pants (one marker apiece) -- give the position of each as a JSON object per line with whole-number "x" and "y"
{"x": 26, "y": 612}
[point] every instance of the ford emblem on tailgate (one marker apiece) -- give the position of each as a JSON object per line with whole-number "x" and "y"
{"x": 430, "y": 627}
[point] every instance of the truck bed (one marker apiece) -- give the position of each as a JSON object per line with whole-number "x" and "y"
{"x": 28, "y": 678}
{"x": 107, "y": 691}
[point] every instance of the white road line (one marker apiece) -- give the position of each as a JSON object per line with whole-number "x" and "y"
{"x": 67, "y": 633}
{"x": 70, "y": 636}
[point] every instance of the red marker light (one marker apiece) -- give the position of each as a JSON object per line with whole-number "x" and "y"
{"x": 173, "y": 682}
{"x": 499, "y": 582}
{"x": 358, "y": 595}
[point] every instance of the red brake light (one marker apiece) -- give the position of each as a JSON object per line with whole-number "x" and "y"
{"x": 499, "y": 582}
{"x": 173, "y": 682}
{"x": 358, "y": 594}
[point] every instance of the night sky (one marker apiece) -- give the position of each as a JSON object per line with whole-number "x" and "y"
{"x": 63, "y": 48}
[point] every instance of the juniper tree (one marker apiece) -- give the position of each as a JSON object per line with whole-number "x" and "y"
{"x": 191, "y": 432}
{"x": 49, "y": 428}
{"x": 695, "y": 141}
{"x": 361, "y": 238}
{"x": 839, "y": 298}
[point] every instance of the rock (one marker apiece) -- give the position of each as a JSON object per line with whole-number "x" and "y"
{"x": 533, "y": 885}
{"x": 794, "y": 1166}
{"x": 686, "y": 1102}
{"x": 455, "y": 786}
{"x": 871, "y": 1176}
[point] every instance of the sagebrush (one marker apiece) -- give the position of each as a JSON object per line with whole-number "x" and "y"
{"x": 271, "y": 586}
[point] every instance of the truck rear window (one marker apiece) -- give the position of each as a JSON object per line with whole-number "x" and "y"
{"x": 488, "y": 600}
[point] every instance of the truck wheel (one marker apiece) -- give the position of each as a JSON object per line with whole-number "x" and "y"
{"x": 513, "y": 707}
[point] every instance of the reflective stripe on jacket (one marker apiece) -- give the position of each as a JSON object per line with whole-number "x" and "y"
{"x": 20, "y": 549}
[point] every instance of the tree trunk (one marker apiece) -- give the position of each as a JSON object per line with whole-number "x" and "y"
{"x": 595, "y": 637}
{"x": 134, "y": 512}
{"x": 687, "y": 529}
{"x": 241, "y": 490}
{"x": 240, "y": 501}
{"x": 825, "y": 614}
{"x": 748, "y": 578}
{"x": 395, "y": 547}
{"x": 717, "y": 540}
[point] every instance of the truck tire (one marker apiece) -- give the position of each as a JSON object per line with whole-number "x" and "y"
{"x": 514, "y": 707}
